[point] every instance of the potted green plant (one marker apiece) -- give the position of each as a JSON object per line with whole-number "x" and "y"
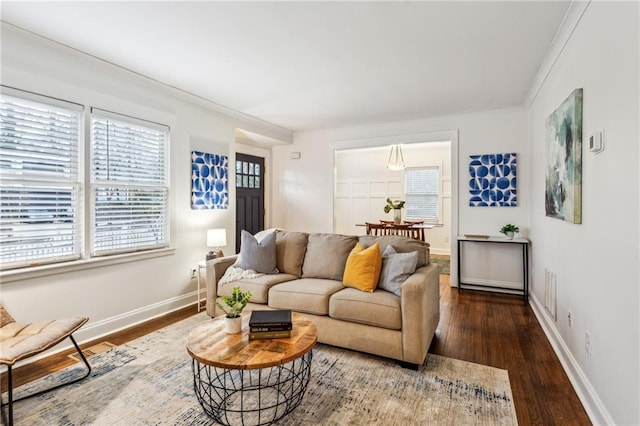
{"x": 233, "y": 307}
{"x": 509, "y": 230}
{"x": 396, "y": 206}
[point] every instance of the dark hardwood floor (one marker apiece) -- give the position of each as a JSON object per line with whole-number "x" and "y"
{"x": 490, "y": 329}
{"x": 502, "y": 331}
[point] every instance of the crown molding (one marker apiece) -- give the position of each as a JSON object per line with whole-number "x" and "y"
{"x": 563, "y": 35}
{"x": 246, "y": 121}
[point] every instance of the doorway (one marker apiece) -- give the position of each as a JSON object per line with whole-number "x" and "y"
{"x": 249, "y": 195}
{"x": 363, "y": 183}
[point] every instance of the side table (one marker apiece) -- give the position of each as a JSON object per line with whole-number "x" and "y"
{"x": 201, "y": 265}
{"x": 523, "y": 242}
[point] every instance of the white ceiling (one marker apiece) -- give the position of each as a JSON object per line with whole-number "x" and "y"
{"x": 305, "y": 65}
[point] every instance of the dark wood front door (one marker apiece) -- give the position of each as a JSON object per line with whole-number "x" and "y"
{"x": 249, "y": 195}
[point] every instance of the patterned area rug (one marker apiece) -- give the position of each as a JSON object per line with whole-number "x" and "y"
{"x": 443, "y": 261}
{"x": 149, "y": 382}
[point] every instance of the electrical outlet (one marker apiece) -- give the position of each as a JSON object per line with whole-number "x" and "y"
{"x": 588, "y": 343}
{"x": 570, "y": 319}
{"x": 193, "y": 271}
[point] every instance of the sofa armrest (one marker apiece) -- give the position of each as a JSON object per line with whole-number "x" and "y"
{"x": 215, "y": 270}
{"x": 420, "y": 304}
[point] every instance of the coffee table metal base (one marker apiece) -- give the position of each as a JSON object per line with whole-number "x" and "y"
{"x": 251, "y": 397}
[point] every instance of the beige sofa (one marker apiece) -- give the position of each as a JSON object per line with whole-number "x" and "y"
{"x": 309, "y": 280}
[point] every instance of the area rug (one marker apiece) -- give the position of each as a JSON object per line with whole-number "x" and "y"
{"x": 149, "y": 382}
{"x": 443, "y": 261}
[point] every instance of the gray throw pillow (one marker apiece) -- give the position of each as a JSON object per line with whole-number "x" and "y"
{"x": 259, "y": 256}
{"x": 396, "y": 268}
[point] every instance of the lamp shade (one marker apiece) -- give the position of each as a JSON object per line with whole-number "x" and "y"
{"x": 216, "y": 237}
{"x": 396, "y": 159}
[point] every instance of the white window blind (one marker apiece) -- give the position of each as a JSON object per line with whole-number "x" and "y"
{"x": 423, "y": 193}
{"x": 39, "y": 185}
{"x": 129, "y": 190}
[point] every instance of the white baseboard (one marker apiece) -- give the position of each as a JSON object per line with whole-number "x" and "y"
{"x": 117, "y": 323}
{"x": 592, "y": 403}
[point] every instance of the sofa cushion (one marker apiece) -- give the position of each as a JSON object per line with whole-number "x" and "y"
{"x": 327, "y": 255}
{"x": 259, "y": 256}
{"x": 396, "y": 268}
{"x": 380, "y": 308}
{"x": 259, "y": 287}
{"x": 290, "y": 250}
{"x": 400, "y": 244}
{"x": 309, "y": 295}
{"x": 363, "y": 268}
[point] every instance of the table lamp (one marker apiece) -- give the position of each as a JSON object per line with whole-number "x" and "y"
{"x": 215, "y": 239}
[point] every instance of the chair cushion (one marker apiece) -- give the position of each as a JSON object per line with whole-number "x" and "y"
{"x": 5, "y": 317}
{"x": 363, "y": 268}
{"x": 19, "y": 341}
{"x": 309, "y": 295}
{"x": 259, "y": 286}
{"x": 380, "y": 308}
{"x": 327, "y": 255}
{"x": 290, "y": 250}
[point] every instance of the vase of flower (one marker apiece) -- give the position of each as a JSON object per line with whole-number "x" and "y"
{"x": 396, "y": 206}
{"x": 397, "y": 215}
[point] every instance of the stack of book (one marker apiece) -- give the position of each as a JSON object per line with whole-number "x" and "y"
{"x": 270, "y": 324}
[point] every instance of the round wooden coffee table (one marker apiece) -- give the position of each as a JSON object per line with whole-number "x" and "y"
{"x": 250, "y": 382}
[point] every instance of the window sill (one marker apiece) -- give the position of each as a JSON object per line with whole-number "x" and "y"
{"x": 79, "y": 265}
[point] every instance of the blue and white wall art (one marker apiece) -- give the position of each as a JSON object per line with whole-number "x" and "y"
{"x": 493, "y": 180}
{"x": 209, "y": 181}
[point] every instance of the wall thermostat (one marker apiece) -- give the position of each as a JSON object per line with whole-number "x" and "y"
{"x": 596, "y": 142}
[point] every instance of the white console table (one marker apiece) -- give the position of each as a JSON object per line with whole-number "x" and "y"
{"x": 523, "y": 242}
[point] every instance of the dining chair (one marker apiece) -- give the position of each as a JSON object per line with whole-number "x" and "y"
{"x": 416, "y": 233}
{"x": 23, "y": 340}
{"x": 377, "y": 228}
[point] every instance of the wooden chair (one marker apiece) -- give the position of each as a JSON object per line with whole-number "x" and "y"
{"x": 416, "y": 233}
{"x": 377, "y": 228}
{"x": 23, "y": 340}
{"x": 403, "y": 229}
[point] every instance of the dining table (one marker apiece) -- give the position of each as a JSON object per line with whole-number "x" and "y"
{"x": 407, "y": 229}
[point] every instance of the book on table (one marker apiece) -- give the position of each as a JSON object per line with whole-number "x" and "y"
{"x": 270, "y": 324}
{"x": 269, "y": 334}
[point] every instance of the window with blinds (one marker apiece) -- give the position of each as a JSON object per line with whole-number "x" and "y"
{"x": 129, "y": 189}
{"x": 422, "y": 194}
{"x": 40, "y": 184}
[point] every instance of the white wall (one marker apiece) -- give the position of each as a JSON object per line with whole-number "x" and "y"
{"x": 303, "y": 188}
{"x": 596, "y": 262}
{"x": 479, "y": 133}
{"x": 120, "y": 295}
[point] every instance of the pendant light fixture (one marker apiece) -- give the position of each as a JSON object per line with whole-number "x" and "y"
{"x": 396, "y": 159}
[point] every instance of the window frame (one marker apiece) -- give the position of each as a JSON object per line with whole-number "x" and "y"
{"x": 431, "y": 220}
{"x": 86, "y": 260}
{"x": 94, "y": 182}
{"x": 34, "y": 180}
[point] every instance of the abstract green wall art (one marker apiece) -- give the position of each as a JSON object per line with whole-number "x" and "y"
{"x": 563, "y": 175}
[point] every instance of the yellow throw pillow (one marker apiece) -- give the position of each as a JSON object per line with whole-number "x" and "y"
{"x": 363, "y": 268}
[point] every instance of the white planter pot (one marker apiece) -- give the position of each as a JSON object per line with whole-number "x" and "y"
{"x": 232, "y": 325}
{"x": 509, "y": 235}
